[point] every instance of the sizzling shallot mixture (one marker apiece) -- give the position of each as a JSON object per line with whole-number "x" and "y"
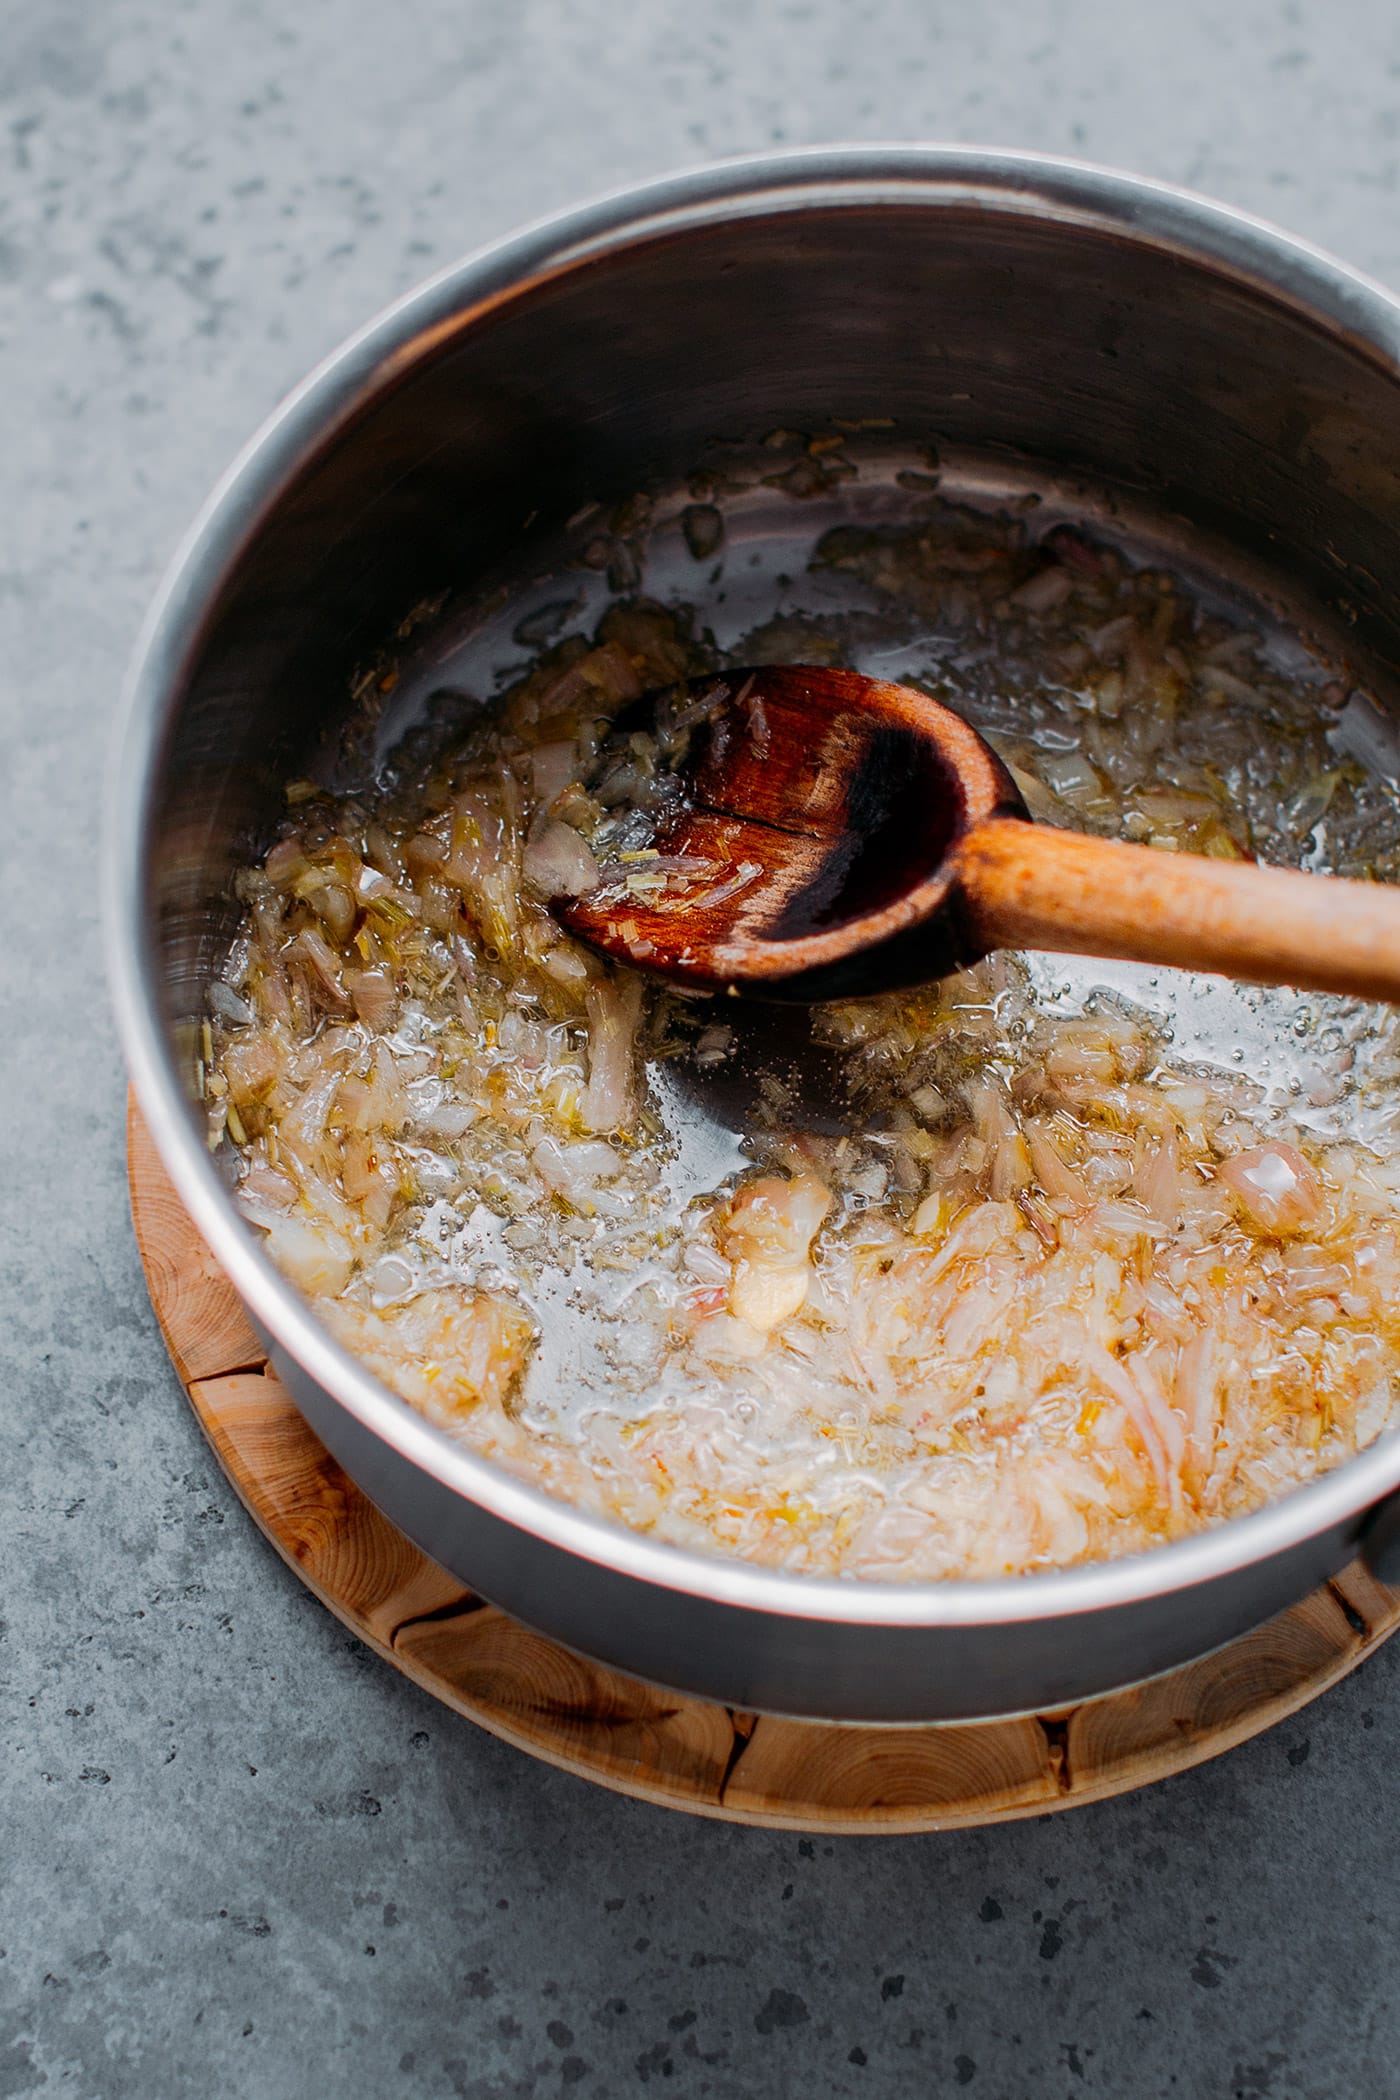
{"x": 1067, "y": 1280}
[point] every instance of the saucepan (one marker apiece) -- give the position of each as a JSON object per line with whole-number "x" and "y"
{"x": 1007, "y": 315}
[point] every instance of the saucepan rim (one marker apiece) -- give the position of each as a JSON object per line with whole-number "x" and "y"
{"x": 1153, "y": 215}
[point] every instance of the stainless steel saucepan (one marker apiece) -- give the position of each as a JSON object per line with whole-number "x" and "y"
{"x": 1156, "y": 354}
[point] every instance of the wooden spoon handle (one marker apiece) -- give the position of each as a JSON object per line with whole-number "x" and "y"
{"x": 1029, "y": 886}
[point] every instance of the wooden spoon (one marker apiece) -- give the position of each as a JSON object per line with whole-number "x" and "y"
{"x": 846, "y": 836}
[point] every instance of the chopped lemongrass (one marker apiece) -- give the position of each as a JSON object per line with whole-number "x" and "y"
{"x": 389, "y": 910}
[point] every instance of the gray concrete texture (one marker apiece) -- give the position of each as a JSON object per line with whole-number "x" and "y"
{"x": 239, "y": 1856}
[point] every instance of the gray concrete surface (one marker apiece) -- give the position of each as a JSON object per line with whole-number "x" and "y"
{"x": 239, "y": 1856}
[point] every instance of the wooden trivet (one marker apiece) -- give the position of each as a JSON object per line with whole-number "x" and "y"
{"x": 679, "y": 1752}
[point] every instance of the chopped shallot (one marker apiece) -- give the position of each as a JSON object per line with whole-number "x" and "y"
{"x": 614, "y": 1010}
{"x": 1277, "y": 1191}
{"x": 559, "y": 863}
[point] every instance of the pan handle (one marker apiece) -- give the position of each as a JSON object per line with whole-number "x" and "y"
{"x": 1380, "y": 1541}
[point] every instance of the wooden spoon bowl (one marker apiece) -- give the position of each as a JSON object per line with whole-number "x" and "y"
{"x": 838, "y": 835}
